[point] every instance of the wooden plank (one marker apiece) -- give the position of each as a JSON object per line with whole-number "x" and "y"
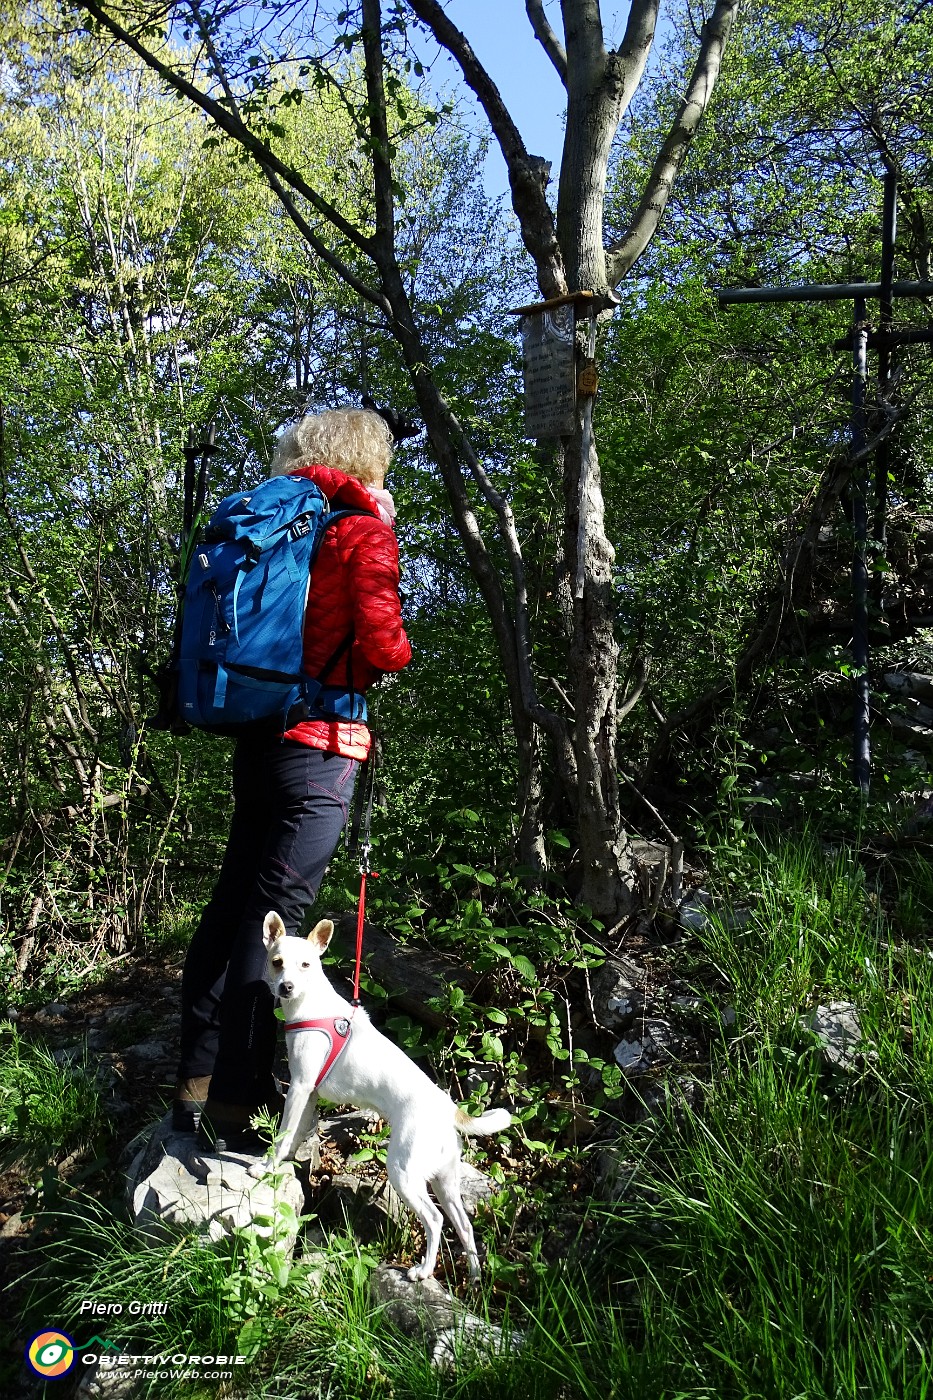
{"x": 565, "y": 300}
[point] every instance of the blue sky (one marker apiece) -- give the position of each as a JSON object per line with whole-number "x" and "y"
{"x": 502, "y": 39}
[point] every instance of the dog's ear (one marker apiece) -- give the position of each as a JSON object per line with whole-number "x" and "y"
{"x": 272, "y": 928}
{"x": 321, "y": 934}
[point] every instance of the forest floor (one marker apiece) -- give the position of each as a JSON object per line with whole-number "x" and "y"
{"x": 749, "y": 1216}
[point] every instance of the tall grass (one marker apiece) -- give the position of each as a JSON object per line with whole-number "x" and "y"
{"x": 781, "y": 1236}
{"x": 47, "y": 1106}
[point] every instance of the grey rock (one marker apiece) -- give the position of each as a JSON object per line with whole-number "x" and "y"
{"x": 910, "y": 683}
{"x": 345, "y": 1129}
{"x": 694, "y": 912}
{"x": 697, "y": 912}
{"x": 106, "y": 1383}
{"x": 618, "y": 993}
{"x": 363, "y": 1206}
{"x": 14, "y": 1225}
{"x": 54, "y": 1011}
{"x": 615, "y": 1173}
{"x": 310, "y": 1151}
{"x": 838, "y": 1027}
{"x": 479, "y": 1077}
{"x": 671, "y": 1095}
{"x": 652, "y": 1047}
{"x": 619, "y": 1180}
{"x": 910, "y": 730}
{"x": 475, "y": 1186}
{"x": 427, "y": 1311}
{"x": 116, "y": 1015}
{"x": 922, "y": 714}
{"x": 174, "y": 1184}
{"x": 148, "y": 1052}
{"x": 690, "y": 1010}
{"x": 417, "y": 1309}
{"x": 472, "y": 1338}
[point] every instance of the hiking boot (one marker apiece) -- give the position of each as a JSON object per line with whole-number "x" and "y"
{"x": 225, "y": 1127}
{"x": 190, "y": 1098}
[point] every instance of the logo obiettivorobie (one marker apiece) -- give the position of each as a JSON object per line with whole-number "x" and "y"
{"x": 51, "y": 1354}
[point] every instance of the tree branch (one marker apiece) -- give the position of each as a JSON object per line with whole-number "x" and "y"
{"x": 633, "y": 694}
{"x": 547, "y": 38}
{"x": 635, "y": 47}
{"x": 278, "y": 189}
{"x": 231, "y": 123}
{"x": 621, "y": 256}
{"x": 346, "y": 273}
{"x": 528, "y": 175}
{"x": 378, "y": 129}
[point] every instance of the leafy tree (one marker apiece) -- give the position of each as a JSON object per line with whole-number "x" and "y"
{"x": 147, "y": 283}
{"x": 234, "y": 75}
{"x": 728, "y": 471}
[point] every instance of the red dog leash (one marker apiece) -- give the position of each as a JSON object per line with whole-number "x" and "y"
{"x": 360, "y": 915}
{"x": 362, "y": 816}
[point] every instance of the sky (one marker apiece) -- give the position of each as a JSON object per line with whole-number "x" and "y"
{"x": 503, "y": 42}
{"x": 502, "y": 38}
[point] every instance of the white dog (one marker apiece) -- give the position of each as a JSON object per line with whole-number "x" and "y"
{"x": 359, "y": 1065}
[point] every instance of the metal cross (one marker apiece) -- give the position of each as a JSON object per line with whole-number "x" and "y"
{"x": 860, "y": 340}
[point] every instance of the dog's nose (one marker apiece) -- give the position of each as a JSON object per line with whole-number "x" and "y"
{"x": 286, "y": 989}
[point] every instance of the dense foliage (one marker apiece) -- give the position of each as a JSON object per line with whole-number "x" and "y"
{"x": 770, "y": 1234}
{"x": 150, "y": 281}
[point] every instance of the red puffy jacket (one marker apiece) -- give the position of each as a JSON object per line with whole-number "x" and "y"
{"x": 354, "y": 587}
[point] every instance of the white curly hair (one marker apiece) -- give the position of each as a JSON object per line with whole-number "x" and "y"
{"x": 354, "y": 440}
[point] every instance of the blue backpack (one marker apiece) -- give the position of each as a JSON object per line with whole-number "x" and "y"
{"x": 239, "y": 662}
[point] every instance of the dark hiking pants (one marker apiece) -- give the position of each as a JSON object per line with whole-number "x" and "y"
{"x": 290, "y": 806}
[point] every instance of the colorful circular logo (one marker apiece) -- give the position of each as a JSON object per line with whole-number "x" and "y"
{"x": 51, "y": 1354}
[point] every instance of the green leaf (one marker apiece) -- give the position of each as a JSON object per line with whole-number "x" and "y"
{"x": 524, "y": 967}
{"x": 250, "y": 1337}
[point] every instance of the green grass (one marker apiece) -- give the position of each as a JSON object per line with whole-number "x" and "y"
{"x": 782, "y": 1234}
{"x": 47, "y": 1108}
{"x": 775, "y": 1241}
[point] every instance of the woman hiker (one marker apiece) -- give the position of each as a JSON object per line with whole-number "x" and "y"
{"x": 292, "y": 792}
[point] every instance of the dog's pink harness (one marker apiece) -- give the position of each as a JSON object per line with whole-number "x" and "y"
{"x": 337, "y": 1029}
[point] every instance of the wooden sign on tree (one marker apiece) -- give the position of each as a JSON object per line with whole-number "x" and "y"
{"x": 549, "y": 373}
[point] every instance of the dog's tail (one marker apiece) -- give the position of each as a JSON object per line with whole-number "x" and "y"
{"x": 493, "y": 1121}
